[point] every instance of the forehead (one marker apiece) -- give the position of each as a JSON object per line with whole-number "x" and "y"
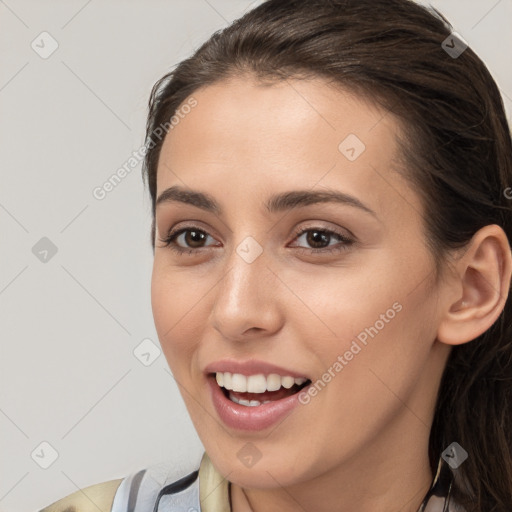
{"x": 293, "y": 108}
{"x": 254, "y": 138}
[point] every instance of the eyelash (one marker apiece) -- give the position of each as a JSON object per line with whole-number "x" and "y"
{"x": 346, "y": 242}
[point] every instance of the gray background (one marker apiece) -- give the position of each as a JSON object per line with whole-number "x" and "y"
{"x": 70, "y": 324}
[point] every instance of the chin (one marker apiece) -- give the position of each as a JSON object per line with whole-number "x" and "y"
{"x": 269, "y": 472}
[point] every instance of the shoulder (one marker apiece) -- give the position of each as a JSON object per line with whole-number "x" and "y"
{"x": 158, "y": 487}
{"x": 89, "y": 499}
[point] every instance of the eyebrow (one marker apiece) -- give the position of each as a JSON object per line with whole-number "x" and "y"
{"x": 276, "y": 203}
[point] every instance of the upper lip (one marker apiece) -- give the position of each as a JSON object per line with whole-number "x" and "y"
{"x": 251, "y": 367}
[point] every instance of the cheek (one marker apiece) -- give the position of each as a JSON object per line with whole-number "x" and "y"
{"x": 384, "y": 342}
{"x": 178, "y": 305}
{"x": 375, "y": 317}
{"x": 339, "y": 302}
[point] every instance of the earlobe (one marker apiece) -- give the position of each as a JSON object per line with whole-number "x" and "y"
{"x": 483, "y": 273}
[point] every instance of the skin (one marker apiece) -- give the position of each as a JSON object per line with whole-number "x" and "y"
{"x": 369, "y": 427}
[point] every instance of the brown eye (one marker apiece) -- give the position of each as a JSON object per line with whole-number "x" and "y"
{"x": 319, "y": 239}
{"x": 190, "y": 239}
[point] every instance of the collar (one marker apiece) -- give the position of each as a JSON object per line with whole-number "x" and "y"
{"x": 214, "y": 489}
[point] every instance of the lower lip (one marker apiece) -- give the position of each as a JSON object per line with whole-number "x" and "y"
{"x": 242, "y": 417}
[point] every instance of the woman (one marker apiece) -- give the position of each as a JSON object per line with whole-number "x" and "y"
{"x": 332, "y": 264}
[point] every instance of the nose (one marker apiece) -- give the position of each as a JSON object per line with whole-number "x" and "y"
{"x": 247, "y": 301}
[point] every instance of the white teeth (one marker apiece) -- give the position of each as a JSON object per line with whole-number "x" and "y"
{"x": 239, "y": 383}
{"x": 256, "y": 383}
{"x": 287, "y": 382}
{"x": 227, "y": 380}
{"x": 248, "y": 403}
{"x": 273, "y": 382}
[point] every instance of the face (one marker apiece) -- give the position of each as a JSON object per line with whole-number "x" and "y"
{"x": 336, "y": 292}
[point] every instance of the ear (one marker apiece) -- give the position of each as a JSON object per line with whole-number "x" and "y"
{"x": 478, "y": 290}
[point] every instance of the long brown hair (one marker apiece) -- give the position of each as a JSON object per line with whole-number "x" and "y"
{"x": 457, "y": 152}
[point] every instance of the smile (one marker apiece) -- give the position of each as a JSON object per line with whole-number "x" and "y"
{"x": 259, "y": 389}
{"x": 254, "y": 402}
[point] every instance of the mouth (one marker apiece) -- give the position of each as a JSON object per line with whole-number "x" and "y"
{"x": 258, "y": 389}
